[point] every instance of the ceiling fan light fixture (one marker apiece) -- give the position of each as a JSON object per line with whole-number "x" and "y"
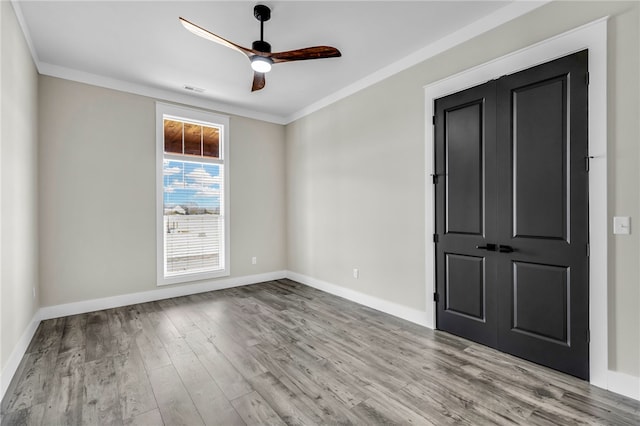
{"x": 261, "y": 63}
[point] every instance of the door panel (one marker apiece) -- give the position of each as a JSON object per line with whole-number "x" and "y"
{"x": 465, "y": 286}
{"x": 465, "y": 132}
{"x": 464, "y": 169}
{"x": 512, "y": 214}
{"x": 542, "y": 202}
{"x": 541, "y": 289}
{"x": 538, "y": 114}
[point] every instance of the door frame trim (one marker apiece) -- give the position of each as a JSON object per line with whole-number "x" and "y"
{"x": 592, "y": 36}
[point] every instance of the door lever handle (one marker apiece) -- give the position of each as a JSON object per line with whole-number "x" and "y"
{"x": 505, "y": 249}
{"x": 488, "y": 247}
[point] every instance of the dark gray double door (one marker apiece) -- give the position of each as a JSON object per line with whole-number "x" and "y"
{"x": 512, "y": 214}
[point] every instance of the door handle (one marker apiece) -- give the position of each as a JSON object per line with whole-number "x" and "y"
{"x": 488, "y": 247}
{"x": 505, "y": 249}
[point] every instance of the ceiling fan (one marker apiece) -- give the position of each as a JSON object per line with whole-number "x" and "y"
{"x": 260, "y": 54}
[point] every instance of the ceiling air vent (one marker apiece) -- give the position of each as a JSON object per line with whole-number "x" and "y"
{"x": 193, "y": 89}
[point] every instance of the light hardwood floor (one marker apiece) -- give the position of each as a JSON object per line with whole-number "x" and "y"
{"x": 283, "y": 353}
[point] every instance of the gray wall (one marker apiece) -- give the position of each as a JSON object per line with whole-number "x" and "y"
{"x": 18, "y": 184}
{"x": 355, "y": 171}
{"x": 97, "y": 193}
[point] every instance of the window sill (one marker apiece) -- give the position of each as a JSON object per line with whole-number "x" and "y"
{"x": 187, "y": 278}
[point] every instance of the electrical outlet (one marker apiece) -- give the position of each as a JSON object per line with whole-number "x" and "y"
{"x": 356, "y": 273}
{"x": 34, "y": 292}
{"x": 254, "y": 260}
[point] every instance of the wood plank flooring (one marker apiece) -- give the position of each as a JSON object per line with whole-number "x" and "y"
{"x": 283, "y": 353}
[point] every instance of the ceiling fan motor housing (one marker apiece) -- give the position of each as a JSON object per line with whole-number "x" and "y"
{"x": 261, "y": 46}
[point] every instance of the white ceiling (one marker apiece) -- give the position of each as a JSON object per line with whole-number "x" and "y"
{"x": 141, "y": 44}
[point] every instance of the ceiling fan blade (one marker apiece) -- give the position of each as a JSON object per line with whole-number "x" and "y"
{"x": 315, "y": 52}
{"x": 258, "y": 81}
{"x": 199, "y": 31}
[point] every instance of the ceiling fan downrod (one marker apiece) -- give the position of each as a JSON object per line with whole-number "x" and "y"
{"x": 262, "y": 14}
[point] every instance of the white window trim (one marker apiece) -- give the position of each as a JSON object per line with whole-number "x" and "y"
{"x": 191, "y": 115}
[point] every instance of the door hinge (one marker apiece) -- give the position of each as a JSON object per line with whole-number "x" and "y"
{"x": 586, "y": 79}
{"x": 588, "y": 336}
{"x": 435, "y": 238}
{"x": 434, "y": 178}
{"x": 433, "y": 120}
{"x": 587, "y": 161}
{"x": 436, "y": 297}
{"x": 588, "y": 250}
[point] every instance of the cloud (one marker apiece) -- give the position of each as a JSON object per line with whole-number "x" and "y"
{"x": 177, "y": 184}
{"x": 208, "y": 192}
{"x": 168, "y": 171}
{"x": 199, "y": 180}
{"x": 203, "y": 191}
{"x": 203, "y": 178}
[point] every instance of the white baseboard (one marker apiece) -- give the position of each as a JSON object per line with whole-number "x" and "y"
{"x": 624, "y": 384}
{"x": 84, "y": 306}
{"x": 18, "y": 352}
{"x": 413, "y": 315}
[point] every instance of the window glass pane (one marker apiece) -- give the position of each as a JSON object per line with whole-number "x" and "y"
{"x": 192, "y": 139}
{"x": 193, "y": 223}
{"x": 211, "y": 142}
{"x": 173, "y": 136}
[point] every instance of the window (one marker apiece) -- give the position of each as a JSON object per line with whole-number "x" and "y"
{"x": 192, "y": 180}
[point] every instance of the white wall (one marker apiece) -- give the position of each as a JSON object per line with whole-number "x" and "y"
{"x": 18, "y": 186}
{"x": 97, "y": 193}
{"x": 355, "y": 171}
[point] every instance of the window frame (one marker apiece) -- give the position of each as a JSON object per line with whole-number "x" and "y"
{"x": 198, "y": 117}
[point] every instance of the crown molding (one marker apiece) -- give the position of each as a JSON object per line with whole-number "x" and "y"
{"x": 154, "y": 92}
